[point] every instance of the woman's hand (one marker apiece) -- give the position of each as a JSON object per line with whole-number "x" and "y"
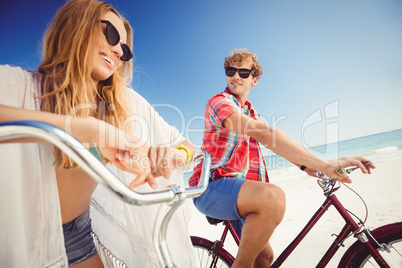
{"x": 136, "y": 161}
{"x": 131, "y": 154}
{"x": 126, "y": 152}
{"x": 165, "y": 159}
{"x": 152, "y": 163}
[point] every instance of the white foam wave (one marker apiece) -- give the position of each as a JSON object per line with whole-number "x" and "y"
{"x": 386, "y": 153}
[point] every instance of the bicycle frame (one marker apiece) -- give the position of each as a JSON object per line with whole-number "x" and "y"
{"x": 350, "y": 226}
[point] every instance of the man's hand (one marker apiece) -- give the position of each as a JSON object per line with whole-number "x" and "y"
{"x": 334, "y": 169}
{"x": 336, "y": 166}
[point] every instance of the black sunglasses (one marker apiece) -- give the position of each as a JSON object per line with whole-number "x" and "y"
{"x": 113, "y": 38}
{"x": 243, "y": 73}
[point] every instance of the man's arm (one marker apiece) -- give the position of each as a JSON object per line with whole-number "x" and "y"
{"x": 278, "y": 142}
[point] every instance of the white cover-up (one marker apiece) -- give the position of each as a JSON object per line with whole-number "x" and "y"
{"x": 132, "y": 226}
{"x": 31, "y": 228}
{"x": 31, "y": 232}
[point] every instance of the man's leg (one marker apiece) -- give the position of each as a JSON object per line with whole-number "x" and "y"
{"x": 265, "y": 257}
{"x": 263, "y": 206}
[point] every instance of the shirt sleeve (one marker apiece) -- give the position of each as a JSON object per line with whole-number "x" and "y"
{"x": 149, "y": 125}
{"x": 16, "y": 87}
{"x": 219, "y": 108}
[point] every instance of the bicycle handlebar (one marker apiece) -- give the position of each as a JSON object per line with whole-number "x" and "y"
{"x": 173, "y": 197}
{"x": 328, "y": 184}
{"x": 74, "y": 149}
{"x": 322, "y": 176}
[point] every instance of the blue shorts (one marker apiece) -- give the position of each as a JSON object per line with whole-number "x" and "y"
{"x": 78, "y": 240}
{"x": 219, "y": 201}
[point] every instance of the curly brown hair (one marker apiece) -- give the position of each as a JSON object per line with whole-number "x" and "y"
{"x": 240, "y": 55}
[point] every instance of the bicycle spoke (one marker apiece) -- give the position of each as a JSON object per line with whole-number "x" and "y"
{"x": 204, "y": 259}
{"x": 397, "y": 251}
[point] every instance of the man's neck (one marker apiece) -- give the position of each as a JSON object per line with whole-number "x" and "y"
{"x": 242, "y": 99}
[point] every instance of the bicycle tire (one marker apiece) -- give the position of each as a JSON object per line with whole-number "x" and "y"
{"x": 358, "y": 256}
{"x": 203, "y": 251}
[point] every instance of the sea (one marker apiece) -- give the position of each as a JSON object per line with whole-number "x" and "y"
{"x": 377, "y": 147}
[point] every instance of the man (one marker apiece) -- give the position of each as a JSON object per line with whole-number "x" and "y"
{"x": 239, "y": 190}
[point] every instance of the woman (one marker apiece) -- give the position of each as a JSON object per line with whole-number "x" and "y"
{"x": 81, "y": 87}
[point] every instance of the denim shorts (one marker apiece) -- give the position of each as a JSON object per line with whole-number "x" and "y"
{"x": 219, "y": 201}
{"x": 78, "y": 239}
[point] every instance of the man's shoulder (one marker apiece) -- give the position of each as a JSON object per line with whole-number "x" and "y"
{"x": 220, "y": 98}
{"x": 217, "y": 96}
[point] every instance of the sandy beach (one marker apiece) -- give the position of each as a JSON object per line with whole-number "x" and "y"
{"x": 382, "y": 192}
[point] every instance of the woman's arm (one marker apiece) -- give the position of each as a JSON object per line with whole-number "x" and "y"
{"x": 74, "y": 126}
{"x": 111, "y": 141}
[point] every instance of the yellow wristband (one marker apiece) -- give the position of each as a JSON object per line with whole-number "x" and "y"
{"x": 188, "y": 153}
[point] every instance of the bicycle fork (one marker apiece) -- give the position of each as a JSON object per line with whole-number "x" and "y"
{"x": 365, "y": 237}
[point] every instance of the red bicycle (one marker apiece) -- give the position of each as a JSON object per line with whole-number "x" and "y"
{"x": 381, "y": 247}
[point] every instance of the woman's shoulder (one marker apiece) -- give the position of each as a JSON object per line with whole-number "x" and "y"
{"x": 134, "y": 98}
{"x": 17, "y": 87}
{"x": 11, "y": 69}
{"x": 13, "y": 73}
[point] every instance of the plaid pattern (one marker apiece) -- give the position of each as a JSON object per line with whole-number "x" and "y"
{"x": 233, "y": 154}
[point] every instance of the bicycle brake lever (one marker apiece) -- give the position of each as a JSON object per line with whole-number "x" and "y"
{"x": 323, "y": 178}
{"x": 349, "y": 170}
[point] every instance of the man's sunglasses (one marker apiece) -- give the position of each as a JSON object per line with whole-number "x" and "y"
{"x": 113, "y": 38}
{"x": 243, "y": 73}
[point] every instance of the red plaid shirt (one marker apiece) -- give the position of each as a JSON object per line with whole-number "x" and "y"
{"x": 233, "y": 154}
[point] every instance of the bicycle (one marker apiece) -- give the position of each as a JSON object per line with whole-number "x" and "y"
{"x": 170, "y": 198}
{"x": 381, "y": 247}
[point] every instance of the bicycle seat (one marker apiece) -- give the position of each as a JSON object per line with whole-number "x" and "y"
{"x": 214, "y": 221}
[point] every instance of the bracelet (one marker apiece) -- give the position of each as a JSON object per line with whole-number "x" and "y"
{"x": 188, "y": 153}
{"x": 303, "y": 167}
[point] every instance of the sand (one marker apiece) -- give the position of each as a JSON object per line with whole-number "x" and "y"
{"x": 382, "y": 192}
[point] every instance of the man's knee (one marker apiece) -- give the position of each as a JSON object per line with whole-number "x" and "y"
{"x": 277, "y": 203}
{"x": 278, "y": 199}
{"x": 265, "y": 199}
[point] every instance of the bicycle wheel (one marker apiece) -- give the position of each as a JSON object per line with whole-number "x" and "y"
{"x": 390, "y": 235}
{"x": 204, "y": 254}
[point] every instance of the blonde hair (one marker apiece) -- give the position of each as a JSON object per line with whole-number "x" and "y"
{"x": 67, "y": 63}
{"x": 240, "y": 55}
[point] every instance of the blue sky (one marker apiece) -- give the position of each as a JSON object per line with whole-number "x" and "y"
{"x": 332, "y": 69}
